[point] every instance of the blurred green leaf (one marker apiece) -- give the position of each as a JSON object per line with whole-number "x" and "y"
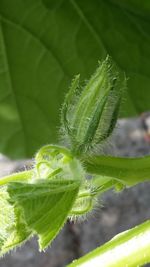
{"x": 43, "y": 44}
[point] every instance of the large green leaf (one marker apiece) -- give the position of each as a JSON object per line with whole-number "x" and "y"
{"x": 44, "y": 43}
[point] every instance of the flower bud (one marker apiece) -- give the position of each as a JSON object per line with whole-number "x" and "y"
{"x": 89, "y": 114}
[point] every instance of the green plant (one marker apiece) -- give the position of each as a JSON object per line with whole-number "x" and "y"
{"x": 40, "y": 200}
{"x": 44, "y": 43}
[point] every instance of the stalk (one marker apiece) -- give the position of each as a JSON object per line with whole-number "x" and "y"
{"x": 130, "y": 248}
{"x": 129, "y": 171}
{"x": 20, "y": 176}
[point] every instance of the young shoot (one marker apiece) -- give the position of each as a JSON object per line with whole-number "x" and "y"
{"x": 62, "y": 184}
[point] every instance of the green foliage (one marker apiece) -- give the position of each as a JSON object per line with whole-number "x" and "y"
{"x": 57, "y": 188}
{"x": 40, "y": 200}
{"x": 45, "y": 43}
{"x": 34, "y": 208}
{"x": 43, "y": 206}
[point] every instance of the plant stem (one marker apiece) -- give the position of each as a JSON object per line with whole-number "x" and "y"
{"x": 129, "y": 171}
{"x": 130, "y": 248}
{"x": 105, "y": 187}
{"x": 25, "y": 175}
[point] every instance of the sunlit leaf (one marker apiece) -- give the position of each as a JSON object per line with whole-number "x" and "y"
{"x": 28, "y": 209}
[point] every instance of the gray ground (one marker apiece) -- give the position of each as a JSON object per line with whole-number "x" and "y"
{"x": 118, "y": 213}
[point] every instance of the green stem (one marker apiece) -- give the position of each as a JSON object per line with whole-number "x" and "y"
{"x": 25, "y": 175}
{"x": 83, "y": 210}
{"x": 129, "y": 171}
{"x": 130, "y": 248}
{"x": 105, "y": 187}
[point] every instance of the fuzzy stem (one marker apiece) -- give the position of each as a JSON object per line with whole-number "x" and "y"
{"x": 25, "y": 175}
{"x": 129, "y": 171}
{"x": 105, "y": 187}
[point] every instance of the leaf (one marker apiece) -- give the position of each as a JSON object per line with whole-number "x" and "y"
{"x": 130, "y": 248}
{"x": 43, "y": 44}
{"x": 122, "y": 29}
{"x": 13, "y": 230}
{"x": 41, "y": 208}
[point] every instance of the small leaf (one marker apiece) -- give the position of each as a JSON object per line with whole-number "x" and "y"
{"x": 28, "y": 209}
{"x": 44, "y": 206}
{"x": 13, "y": 229}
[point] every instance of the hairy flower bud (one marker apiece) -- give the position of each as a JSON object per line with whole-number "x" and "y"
{"x": 89, "y": 114}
